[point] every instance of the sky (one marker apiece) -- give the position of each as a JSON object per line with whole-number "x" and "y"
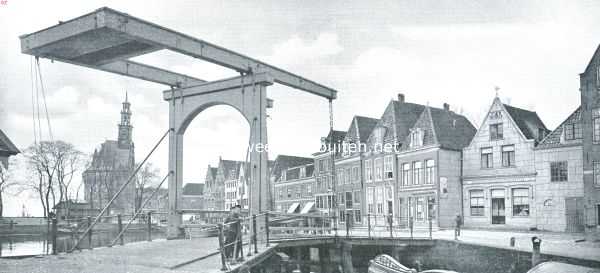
{"x": 434, "y": 52}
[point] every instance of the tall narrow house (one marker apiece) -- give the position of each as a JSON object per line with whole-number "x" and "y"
{"x": 499, "y": 173}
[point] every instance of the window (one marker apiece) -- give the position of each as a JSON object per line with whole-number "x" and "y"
{"x": 379, "y": 200}
{"x": 420, "y": 215}
{"x": 416, "y": 138}
{"x": 496, "y": 131}
{"x": 289, "y": 193}
{"x": 298, "y": 192}
{"x": 309, "y": 189}
{"x": 348, "y": 176}
{"x": 302, "y": 172}
{"x": 355, "y": 176}
{"x": 341, "y": 198}
{"x": 405, "y": 174}
{"x": 417, "y": 171}
{"x": 596, "y": 125}
{"x": 429, "y": 171}
{"x": 357, "y": 216}
{"x": 378, "y": 169}
{"x": 369, "y": 197}
{"x": 319, "y": 183}
{"x": 559, "y": 171}
{"x": 340, "y": 177}
{"x": 520, "y": 202}
{"x": 411, "y": 207}
{"x": 357, "y": 195}
{"x": 280, "y": 193}
{"x": 342, "y": 216}
{"x": 508, "y": 156}
{"x": 487, "y": 158}
{"x": 388, "y": 167}
{"x": 596, "y": 173}
{"x": 349, "y": 199}
{"x": 573, "y": 131}
{"x": 321, "y": 165}
{"x": 368, "y": 171}
{"x": 476, "y": 202}
{"x": 431, "y": 213}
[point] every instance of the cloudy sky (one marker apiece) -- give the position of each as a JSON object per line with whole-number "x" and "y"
{"x": 432, "y": 51}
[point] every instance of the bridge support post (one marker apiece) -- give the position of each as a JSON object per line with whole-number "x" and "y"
{"x": 149, "y": 222}
{"x": 120, "y": 228}
{"x": 175, "y": 178}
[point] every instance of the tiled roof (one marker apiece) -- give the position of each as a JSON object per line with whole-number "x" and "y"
{"x": 193, "y": 189}
{"x": 553, "y": 139}
{"x": 230, "y": 165}
{"x": 362, "y": 126}
{"x": 405, "y": 116}
{"x": 527, "y": 121}
{"x": 452, "y": 131}
{"x": 284, "y": 162}
{"x": 6, "y": 146}
{"x": 338, "y": 136}
{"x": 594, "y": 57}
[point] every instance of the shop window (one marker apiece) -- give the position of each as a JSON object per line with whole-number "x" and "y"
{"x": 520, "y": 199}
{"x": 476, "y": 202}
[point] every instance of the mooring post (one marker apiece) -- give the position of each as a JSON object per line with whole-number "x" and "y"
{"x": 254, "y": 237}
{"x": 54, "y": 234}
{"x": 369, "y": 224}
{"x": 89, "y": 220}
{"x": 120, "y": 228}
{"x": 536, "y": 255}
{"x": 430, "y": 228}
{"x": 149, "y": 222}
{"x": 267, "y": 228}
{"x": 222, "y": 248}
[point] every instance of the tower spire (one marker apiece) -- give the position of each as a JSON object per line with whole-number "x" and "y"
{"x": 125, "y": 128}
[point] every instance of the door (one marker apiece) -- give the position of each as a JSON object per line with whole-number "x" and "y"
{"x": 498, "y": 208}
{"x": 574, "y": 214}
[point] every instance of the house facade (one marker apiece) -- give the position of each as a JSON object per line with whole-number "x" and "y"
{"x": 349, "y": 171}
{"x": 429, "y": 168}
{"x": 559, "y": 183}
{"x": 210, "y": 184}
{"x": 227, "y": 178}
{"x": 295, "y": 190}
{"x": 325, "y": 189}
{"x": 590, "y": 106}
{"x": 499, "y": 174}
{"x": 7, "y": 149}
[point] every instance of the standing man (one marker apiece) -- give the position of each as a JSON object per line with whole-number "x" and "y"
{"x": 233, "y": 240}
{"x": 458, "y": 221}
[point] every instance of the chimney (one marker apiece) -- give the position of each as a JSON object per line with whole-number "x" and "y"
{"x": 446, "y": 107}
{"x": 400, "y": 97}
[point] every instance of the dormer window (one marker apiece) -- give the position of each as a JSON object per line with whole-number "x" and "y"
{"x": 283, "y": 176}
{"x": 416, "y": 138}
{"x": 302, "y": 172}
{"x": 573, "y": 131}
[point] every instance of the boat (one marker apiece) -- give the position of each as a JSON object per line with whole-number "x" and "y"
{"x": 386, "y": 264}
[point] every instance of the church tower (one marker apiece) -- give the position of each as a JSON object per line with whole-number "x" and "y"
{"x": 125, "y": 128}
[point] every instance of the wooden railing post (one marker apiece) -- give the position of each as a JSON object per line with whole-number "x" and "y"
{"x": 54, "y": 234}
{"x": 391, "y": 225}
{"x": 222, "y": 248}
{"x": 347, "y": 224}
{"x": 120, "y": 228}
{"x": 89, "y": 220}
{"x": 267, "y": 228}
{"x": 430, "y": 228}
{"x": 149, "y": 219}
{"x": 369, "y": 224}
{"x": 254, "y": 237}
{"x": 410, "y": 226}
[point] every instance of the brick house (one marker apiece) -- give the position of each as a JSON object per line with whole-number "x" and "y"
{"x": 349, "y": 171}
{"x": 227, "y": 177}
{"x": 325, "y": 194}
{"x": 291, "y": 189}
{"x": 590, "y": 113}
{"x": 380, "y": 172}
{"x": 429, "y": 167}
{"x": 499, "y": 172}
{"x": 559, "y": 183}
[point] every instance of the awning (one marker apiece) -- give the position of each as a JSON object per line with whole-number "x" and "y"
{"x": 308, "y": 207}
{"x": 293, "y": 208}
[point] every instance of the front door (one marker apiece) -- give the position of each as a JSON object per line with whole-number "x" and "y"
{"x": 573, "y": 214}
{"x": 498, "y": 212}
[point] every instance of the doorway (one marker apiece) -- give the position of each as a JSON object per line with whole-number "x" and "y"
{"x": 498, "y": 207}
{"x": 574, "y": 214}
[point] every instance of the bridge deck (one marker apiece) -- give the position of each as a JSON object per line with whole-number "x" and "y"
{"x": 197, "y": 255}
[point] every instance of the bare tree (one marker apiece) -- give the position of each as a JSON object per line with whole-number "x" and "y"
{"x": 146, "y": 177}
{"x": 52, "y": 165}
{"x": 7, "y": 182}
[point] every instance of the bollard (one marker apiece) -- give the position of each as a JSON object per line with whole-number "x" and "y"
{"x": 369, "y": 224}
{"x": 430, "y": 228}
{"x": 267, "y": 228}
{"x": 89, "y": 219}
{"x": 410, "y": 226}
{"x": 536, "y": 255}
{"x": 54, "y": 234}
{"x": 347, "y": 224}
{"x": 149, "y": 219}
{"x": 120, "y": 228}
{"x": 254, "y": 237}
{"x": 391, "y": 223}
{"x": 221, "y": 248}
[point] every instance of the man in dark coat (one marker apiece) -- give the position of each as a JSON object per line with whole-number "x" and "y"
{"x": 458, "y": 223}
{"x": 233, "y": 233}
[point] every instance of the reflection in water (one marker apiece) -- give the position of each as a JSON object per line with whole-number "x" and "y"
{"x": 20, "y": 245}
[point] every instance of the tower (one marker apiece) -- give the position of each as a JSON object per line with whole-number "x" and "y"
{"x": 125, "y": 128}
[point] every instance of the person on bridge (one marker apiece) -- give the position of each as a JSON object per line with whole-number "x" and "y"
{"x": 233, "y": 239}
{"x": 458, "y": 222}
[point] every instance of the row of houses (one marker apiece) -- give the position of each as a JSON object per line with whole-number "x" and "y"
{"x": 418, "y": 162}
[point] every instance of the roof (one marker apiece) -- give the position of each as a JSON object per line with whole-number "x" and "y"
{"x": 591, "y": 62}
{"x": 229, "y": 165}
{"x": 294, "y": 172}
{"x": 337, "y": 136}
{"x": 193, "y": 189}
{"x": 284, "y": 162}
{"x": 6, "y": 146}
{"x": 452, "y": 131}
{"x": 553, "y": 139}
{"x": 361, "y": 128}
{"x": 527, "y": 121}
{"x": 405, "y": 116}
